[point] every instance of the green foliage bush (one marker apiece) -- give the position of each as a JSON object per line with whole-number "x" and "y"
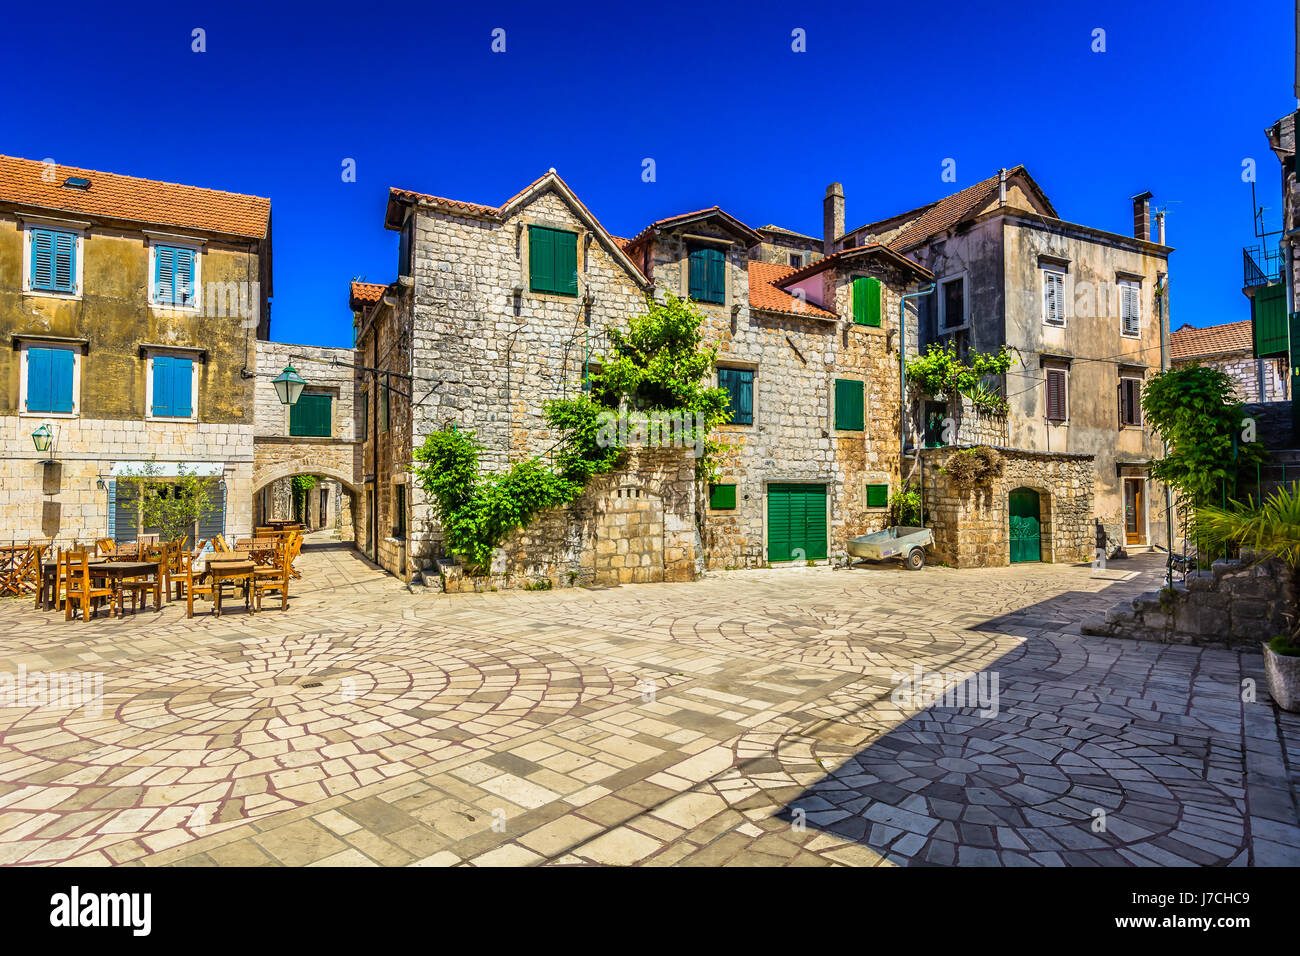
{"x": 905, "y": 507}
{"x": 969, "y": 467}
{"x": 940, "y": 372}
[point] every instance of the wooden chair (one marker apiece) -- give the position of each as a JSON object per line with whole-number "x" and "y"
{"x": 274, "y": 578}
{"x": 148, "y": 539}
{"x": 105, "y": 546}
{"x": 264, "y": 531}
{"x": 141, "y": 586}
{"x": 219, "y": 544}
{"x": 192, "y": 581}
{"x": 293, "y": 547}
{"x": 127, "y": 551}
{"x": 81, "y": 590}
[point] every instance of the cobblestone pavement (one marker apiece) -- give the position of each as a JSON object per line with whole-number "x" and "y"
{"x": 748, "y": 719}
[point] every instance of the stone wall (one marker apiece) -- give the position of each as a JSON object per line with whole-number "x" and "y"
{"x": 972, "y": 527}
{"x": 271, "y": 419}
{"x": 633, "y": 525}
{"x": 1237, "y": 603}
{"x": 1253, "y": 380}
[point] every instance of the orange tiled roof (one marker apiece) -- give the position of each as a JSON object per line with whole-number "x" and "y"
{"x": 834, "y": 260}
{"x": 699, "y": 213}
{"x": 23, "y": 182}
{"x": 365, "y": 292}
{"x": 1187, "y": 342}
{"x": 766, "y": 297}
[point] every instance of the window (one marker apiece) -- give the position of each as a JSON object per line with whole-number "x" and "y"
{"x": 722, "y": 497}
{"x": 708, "y": 275}
{"x": 552, "y": 261}
{"x": 171, "y": 387}
{"x": 936, "y": 419}
{"x": 877, "y": 496}
{"x": 866, "y": 301}
{"x": 404, "y": 247}
{"x": 1130, "y": 308}
{"x": 174, "y": 279}
{"x": 1057, "y": 398}
{"x": 1130, "y": 401}
{"x": 50, "y": 380}
{"x": 383, "y": 404}
{"x": 1053, "y": 296}
{"x": 952, "y": 303}
{"x": 739, "y": 383}
{"x": 312, "y": 416}
{"x": 52, "y": 261}
{"x": 796, "y": 259}
{"x": 850, "y": 405}
{"x": 365, "y": 416}
{"x": 399, "y": 511}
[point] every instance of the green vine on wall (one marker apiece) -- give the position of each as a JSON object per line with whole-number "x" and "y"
{"x": 940, "y": 372}
{"x": 659, "y": 364}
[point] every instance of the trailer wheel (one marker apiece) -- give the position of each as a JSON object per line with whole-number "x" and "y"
{"x": 915, "y": 560}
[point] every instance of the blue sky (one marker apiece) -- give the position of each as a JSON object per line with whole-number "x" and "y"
{"x": 713, "y": 93}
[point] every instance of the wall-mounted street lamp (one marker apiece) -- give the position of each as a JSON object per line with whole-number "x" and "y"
{"x": 288, "y": 385}
{"x": 43, "y": 439}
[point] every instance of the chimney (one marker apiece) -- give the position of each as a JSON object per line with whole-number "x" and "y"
{"x": 1142, "y": 216}
{"x": 1160, "y": 226}
{"x": 832, "y": 217}
{"x": 1002, "y": 187}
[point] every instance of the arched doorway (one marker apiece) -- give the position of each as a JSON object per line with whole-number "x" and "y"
{"x": 323, "y": 503}
{"x": 1026, "y": 525}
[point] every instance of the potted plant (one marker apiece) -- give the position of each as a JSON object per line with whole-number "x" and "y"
{"x": 1272, "y": 530}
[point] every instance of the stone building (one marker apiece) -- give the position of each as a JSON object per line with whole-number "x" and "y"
{"x": 1083, "y": 312}
{"x": 1230, "y": 349}
{"x": 133, "y": 309}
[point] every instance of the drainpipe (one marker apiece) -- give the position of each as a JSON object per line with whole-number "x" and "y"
{"x": 902, "y": 372}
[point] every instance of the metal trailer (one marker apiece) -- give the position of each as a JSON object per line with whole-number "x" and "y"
{"x": 906, "y": 544}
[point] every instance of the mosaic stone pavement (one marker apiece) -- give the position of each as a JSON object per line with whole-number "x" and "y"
{"x": 748, "y": 719}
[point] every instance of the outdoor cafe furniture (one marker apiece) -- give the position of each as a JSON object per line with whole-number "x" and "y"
{"x": 20, "y": 568}
{"x": 141, "y": 578}
{"x": 223, "y": 570}
{"x": 82, "y": 588}
{"x": 105, "y": 545}
{"x": 54, "y": 577}
{"x": 274, "y": 577}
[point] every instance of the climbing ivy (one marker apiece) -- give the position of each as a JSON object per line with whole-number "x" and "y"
{"x": 940, "y": 372}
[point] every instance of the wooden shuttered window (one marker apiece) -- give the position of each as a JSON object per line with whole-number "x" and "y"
{"x": 173, "y": 276}
{"x": 1057, "y": 407}
{"x": 1053, "y": 297}
{"x": 312, "y": 416}
{"x": 722, "y": 497}
{"x": 173, "y": 386}
{"x": 552, "y": 261}
{"x": 850, "y": 405}
{"x": 1130, "y": 401}
{"x": 877, "y": 496}
{"x": 53, "y": 261}
{"x": 49, "y": 380}
{"x": 796, "y": 522}
{"x": 708, "y": 275}
{"x": 739, "y": 383}
{"x": 1130, "y": 308}
{"x": 866, "y": 301}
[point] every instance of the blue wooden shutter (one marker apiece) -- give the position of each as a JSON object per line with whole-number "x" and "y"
{"x": 65, "y": 262}
{"x": 182, "y": 387}
{"x": 739, "y": 384}
{"x": 162, "y": 385}
{"x": 717, "y": 276}
{"x": 699, "y": 275}
{"x": 42, "y": 259}
{"x": 183, "y": 277}
{"x": 61, "y": 363}
{"x": 164, "y": 276}
{"x": 40, "y": 380}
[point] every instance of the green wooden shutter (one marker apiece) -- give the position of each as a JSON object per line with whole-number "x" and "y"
{"x": 707, "y": 275}
{"x": 850, "y": 410}
{"x": 722, "y": 497}
{"x": 717, "y": 277}
{"x": 877, "y": 496}
{"x": 873, "y": 301}
{"x": 739, "y": 383}
{"x": 796, "y": 522}
{"x": 698, "y": 278}
{"x": 866, "y": 301}
{"x": 566, "y": 262}
{"x": 541, "y": 259}
{"x": 779, "y": 538}
{"x": 814, "y": 515}
{"x": 312, "y": 416}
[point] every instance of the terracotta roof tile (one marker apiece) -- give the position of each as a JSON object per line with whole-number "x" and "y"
{"x": 1187, "y": 342}
{"x": 766, "y": 297}
{"x": 366, "y": 292}
{"x": 23, "y": 182}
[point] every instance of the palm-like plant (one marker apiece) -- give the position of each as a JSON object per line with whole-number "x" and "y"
{"x": 1270, "y": 528}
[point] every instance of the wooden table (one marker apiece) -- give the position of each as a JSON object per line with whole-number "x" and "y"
{"x": 48, "y": 595}
{"x": 223, "y": 570}
{"x": 117, "y": 571}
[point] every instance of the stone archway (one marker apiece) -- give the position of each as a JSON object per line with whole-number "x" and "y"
{"x": 1029, "y": 523}
{"x": 333, "y": 504}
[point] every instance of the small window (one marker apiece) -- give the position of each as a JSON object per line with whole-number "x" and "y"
{"x": 172, "y": 387}
{"x": 722, "y": 497}
{"x": 399, "y": 512}
{"x": 952, "y": 303}
{"x": 1054, "y": 297}
{"x": 383, "y": 403}
{"x": 796, "y": 260}
{"x": 877, "y": 496}
{"x": 1130, "y": 308}
{"x": 405, "y": 246}
{"x": 365, "y": 416}
{"x": 552, "y": 261}
{"x": 708, "y": 275}
{"x": 866, "y": 301}
{"x": 312, "y": 416}
{"x": 53, "y": 260}
{"x": 739, "y": 383}
{"x": 936, "y": 418}
{"x": 174, "y": 276}
{"x": 1130, "y": 401}
{"x": 850, "y": 405}
{"x": 50, "y": 380}
{"x": 1057, "y": 397}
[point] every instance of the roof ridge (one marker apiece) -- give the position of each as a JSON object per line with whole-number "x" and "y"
{"x": 139, "y": 179}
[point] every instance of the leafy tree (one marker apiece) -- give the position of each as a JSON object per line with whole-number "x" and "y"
{"x": 302, "y": 486}
{"x": 172, "y": 506}
{"x": 1196, "y": 413}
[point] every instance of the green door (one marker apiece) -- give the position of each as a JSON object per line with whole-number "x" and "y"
{"x": 796, "y": 522}
{"x": 1025, "y": 538}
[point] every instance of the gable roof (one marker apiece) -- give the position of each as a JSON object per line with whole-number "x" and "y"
{"x": 766, "y": 296}
{"x": 399, "y": 198}
{"x": 942, "y": 214}
{"x": 1187, "y": 342}
{"x": 870, "y": 250}
{"x": 26, "y": 183}
{"x": 361, "y": 294}
{"x": 790, "y": 233}
{"x": 729, "y": 222}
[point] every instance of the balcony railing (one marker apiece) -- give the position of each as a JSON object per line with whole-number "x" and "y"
{"x": 1261, "y": 265}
